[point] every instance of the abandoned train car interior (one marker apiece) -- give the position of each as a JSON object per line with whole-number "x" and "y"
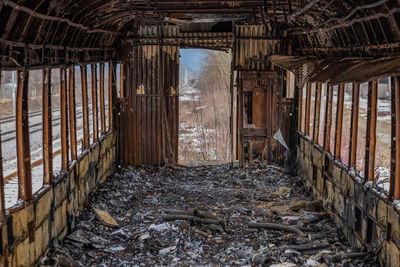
{"x": 308, "y": 169}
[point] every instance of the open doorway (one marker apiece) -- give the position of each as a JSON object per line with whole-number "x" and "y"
{"x": 204, "y": 106}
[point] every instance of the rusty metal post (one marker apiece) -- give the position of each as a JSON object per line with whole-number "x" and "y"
{"x": 85, "y": 111}
{"x": 308, "y": 109}
{"x": 22, "y": 131}
{"x": 47, "y": 128}
{"x": 354, "y": 124}
{"x": 317, "y": 110}
{"x": 396, "y": 186}
{"x": 371, "y": 128}
{"x": 102, "y": 108}
{"x": 339, "y": 122}
{"x": 64, "y": 119}
{"x": 93, "y": 71}
{"x": 300, "y": 110}
{"x": 72, "y": 113}
{"x": 328, "y": 119}
{"x": 111, "y": 86}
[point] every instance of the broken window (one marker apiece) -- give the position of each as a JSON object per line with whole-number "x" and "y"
{"x": 346, "y": 134}
{"x": 78, "y": 109}
{"x": 324, "y": 99}
{"x": 303, "y": 109}
{"x": 383, "y": 135}
{"x": 362, "y": 128}
{"x": 118, "y": 79}
{"x": 8, "y": 92}
{"x": 35, "y": 109}
{"x": 90, "y": 102}
{"x": 56, "y": 119}
{"x": 334, "y": 116}
{"x": 106, "y": 96}
{"x": 312, "y": 109}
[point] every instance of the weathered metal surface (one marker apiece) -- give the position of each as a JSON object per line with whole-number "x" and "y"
{"x": 371, "y": 130}
{"x": 308, "y": 110}
{"x": 47, "y": 128}
{"x": 263, "y": 87}
{"x": 253, "y": 48}
{"x": 328, "y": 119}
{"x": 22, "y": 130}
{"x": 149, "y": 118}
{"x": 317, "y": 109}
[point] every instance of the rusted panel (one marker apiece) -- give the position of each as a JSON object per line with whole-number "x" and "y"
{"x": 102, "y": 108}
{"x": 354, "y": 124}
{"x": 328, "y": 119}
{"x": 72, "y": 113}
{"x": 339, "y": 122}
{"x": 47, "y": 128}
{"x": 22, "y": 132}
{"x": 121, "y": 73}
{"x": 317, "y": 110}
{"x": 85, "y": 111}
{"x": 396, "y": 189}
{"x": 308, "y": 110}
{"x": 371, "y": 129}
{"x": 95, "y": 112}
{"x": 64, "y": 118}
{"x": 240, "y": 120}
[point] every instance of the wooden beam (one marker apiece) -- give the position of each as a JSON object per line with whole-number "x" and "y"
{"x": 22, "y": 131}
{"x": 2, "y": 200}
{"x": 354, "y": 124}
{"x": 64, "y": 119}
{"x": 339, "y": 122}
{"x": 47, "y": 128}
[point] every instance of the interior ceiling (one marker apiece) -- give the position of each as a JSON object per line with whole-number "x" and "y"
{"x": 317, "y": 27}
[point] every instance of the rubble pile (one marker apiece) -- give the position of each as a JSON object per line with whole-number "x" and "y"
{"x": 204, "y": 215}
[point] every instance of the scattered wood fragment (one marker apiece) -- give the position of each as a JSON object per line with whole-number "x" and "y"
{"x": 256, "y": 259}
{"x": 307, "y": 247}
{"x": 306, "y": 205}
{"x": 105, "y": 218}
{"x": 277, "y": 227}
{"x": 338, "y": 257}
{"x": 174, "y": 217}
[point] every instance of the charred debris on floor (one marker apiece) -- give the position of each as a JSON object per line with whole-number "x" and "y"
{"x": 204, "y": 215}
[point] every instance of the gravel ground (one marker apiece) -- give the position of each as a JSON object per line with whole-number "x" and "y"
{"x": 138, "y": 198}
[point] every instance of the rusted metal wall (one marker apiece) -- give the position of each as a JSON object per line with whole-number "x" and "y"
{"x": 253, "y": 47}
{"x": 149, "y": 116}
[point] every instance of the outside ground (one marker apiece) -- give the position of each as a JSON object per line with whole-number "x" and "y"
{"x": 201, "y": 216}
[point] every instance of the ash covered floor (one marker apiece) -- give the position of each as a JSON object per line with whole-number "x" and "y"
{"x": 214, "y": 207}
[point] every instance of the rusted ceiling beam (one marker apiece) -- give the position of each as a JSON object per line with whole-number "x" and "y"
{"x": 35, "y": 14}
